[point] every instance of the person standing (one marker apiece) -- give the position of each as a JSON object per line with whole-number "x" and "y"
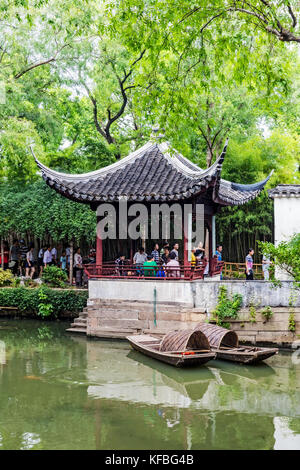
{"x": 47, "y": 258}
{"x": 155, "y": 253}
{"x": 29, "y": 263}
{"x": 54, "y": 255}
{"x": 23, "y": 254}
{"x": 175, "y": 250}
{"x": 139, "y": 259}
{"x": 165, "y": 255}
{"x": 63, "y": 261}
{"x": 78, "y": 267}
{"x": 218, "y": 254}
{"x": 40, "y": 260}
{"x": 14, "y": 257}
{"x": 266, "y": 263}
{"x": 249, "y": 265}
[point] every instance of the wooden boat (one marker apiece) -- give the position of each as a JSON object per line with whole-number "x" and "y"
{"x": 225, "y": 343}
{"x": 179, "y": 348}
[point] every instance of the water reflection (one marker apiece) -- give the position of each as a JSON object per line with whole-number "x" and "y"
{"x": 65, "y": 392}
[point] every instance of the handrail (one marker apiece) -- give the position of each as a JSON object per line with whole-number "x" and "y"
{"x": 130, "y": 271}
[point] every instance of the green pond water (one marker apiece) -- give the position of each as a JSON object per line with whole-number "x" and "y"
{"x": 61, "y": 391}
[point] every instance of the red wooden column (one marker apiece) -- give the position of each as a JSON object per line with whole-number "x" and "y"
{"x": 185, "y": 243}
{"x": 99, "y": 252}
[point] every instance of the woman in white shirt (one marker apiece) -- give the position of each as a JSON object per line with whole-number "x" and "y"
{"x": 29, "y": 264}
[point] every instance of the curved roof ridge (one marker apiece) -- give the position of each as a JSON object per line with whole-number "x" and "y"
{"x": 237, "y": 194}
{"x": 94, "y": 174}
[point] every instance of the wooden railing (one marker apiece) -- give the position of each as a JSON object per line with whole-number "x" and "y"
{"x": 132, "y": 271}
{"x": 237, "y": 270}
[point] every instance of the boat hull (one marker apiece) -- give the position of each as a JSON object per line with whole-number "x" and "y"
{"x": 247, "y": 356}
{"x": 176, "y": 360}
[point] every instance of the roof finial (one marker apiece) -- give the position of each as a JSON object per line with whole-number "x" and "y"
{"x": 157, "y": 133}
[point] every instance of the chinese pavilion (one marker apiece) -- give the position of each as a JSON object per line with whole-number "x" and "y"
{"x": 155, "y": 173}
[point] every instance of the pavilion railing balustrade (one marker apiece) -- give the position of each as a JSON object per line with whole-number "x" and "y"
{"x": 132, "y": 271}
{"x": 237, "y": 270}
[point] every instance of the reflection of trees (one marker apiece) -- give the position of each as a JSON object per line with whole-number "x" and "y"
{"x": 136, "y": 402}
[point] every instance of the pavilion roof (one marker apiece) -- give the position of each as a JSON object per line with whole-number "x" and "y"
{"x": 155, "y": 172}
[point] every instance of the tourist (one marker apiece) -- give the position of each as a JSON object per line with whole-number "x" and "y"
{"x": 120, "y": 261}
{"x": 155, "y": 253}
{"x": 47, "y": 258}
{"x": 5, "y": 256}
{"x": 249, "y": 265}
{"x": 175, "y": 250}
{"x": 78, "y": 267}
{"x": 63, "y": 261}
{"x": 54, "y": 255}
{"x": 165, "y": 255}
{"x": 165, "y": 246}
{"x": 14, "y": 257}
{"x": 173, "y": 267}
{"x": 193, "y": 257}
{"x": 23, "y": 256}
{"x": 218, "y": 254}
{"x": 266, "y": 263}
{"x": 29, "y": 263}
{"x": 149, "y": 267}
{"x": 139, "y": 259}
{"x": 198, "y": 255}
{"x": 68, "y": 255}
{"x": 40, "y": 262}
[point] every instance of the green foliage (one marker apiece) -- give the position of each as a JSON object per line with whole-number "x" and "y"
{"x": 252, "y": 312}
{"x": 286, "y": 256}
{"x": 28, "y": 301}
{"x": 54, "y": 276}
{"x": 45, "y": 308}
{"x": 6, "y": 277}
{"x": 227, "y": 307}
{"x": 267, "y": 313}
{"x": 292, "y": 323}
{"x": 44, "y": 213}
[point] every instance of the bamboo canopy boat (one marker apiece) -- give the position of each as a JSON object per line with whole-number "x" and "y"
{"x": 225, "y": 343}
{"x": 179, "y": 348}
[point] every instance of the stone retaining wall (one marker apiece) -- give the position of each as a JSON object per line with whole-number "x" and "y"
{"x": 118, "y": 308}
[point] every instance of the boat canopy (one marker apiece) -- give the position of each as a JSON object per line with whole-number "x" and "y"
{"x": 184, "y": 340}
{"x": 218, "y": 336}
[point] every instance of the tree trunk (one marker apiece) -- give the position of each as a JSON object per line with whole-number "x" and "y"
{"x": 71, "y": 261}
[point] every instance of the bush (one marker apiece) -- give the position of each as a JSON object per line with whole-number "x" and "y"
{"x": 227, "y": 307}
{"x": 54, "y": 276}
{"x": 6, "y": 277}
{"x": 29, "y": 300}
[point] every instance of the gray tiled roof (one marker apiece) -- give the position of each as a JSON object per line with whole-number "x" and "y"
{"x": 285, "y": 190}
{"x": 154, "y": 172}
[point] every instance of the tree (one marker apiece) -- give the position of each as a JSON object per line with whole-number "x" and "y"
{"x": 286, "y": 256}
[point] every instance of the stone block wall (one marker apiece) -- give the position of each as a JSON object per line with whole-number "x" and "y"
{"x": 119, "y": 308}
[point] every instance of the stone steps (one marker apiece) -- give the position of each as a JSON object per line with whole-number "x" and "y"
{"x": 114, "y": 333}
{"x": 79, "y": 324}
{"x": 76, "y": 330}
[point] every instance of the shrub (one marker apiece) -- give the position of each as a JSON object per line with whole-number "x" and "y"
{"x": 29, "y": 300}
{"x": 6, "y": 277}
{"x": 54, "y": 276}
{"x": 267, "y": 313}
{"x": 227, "y": 307}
